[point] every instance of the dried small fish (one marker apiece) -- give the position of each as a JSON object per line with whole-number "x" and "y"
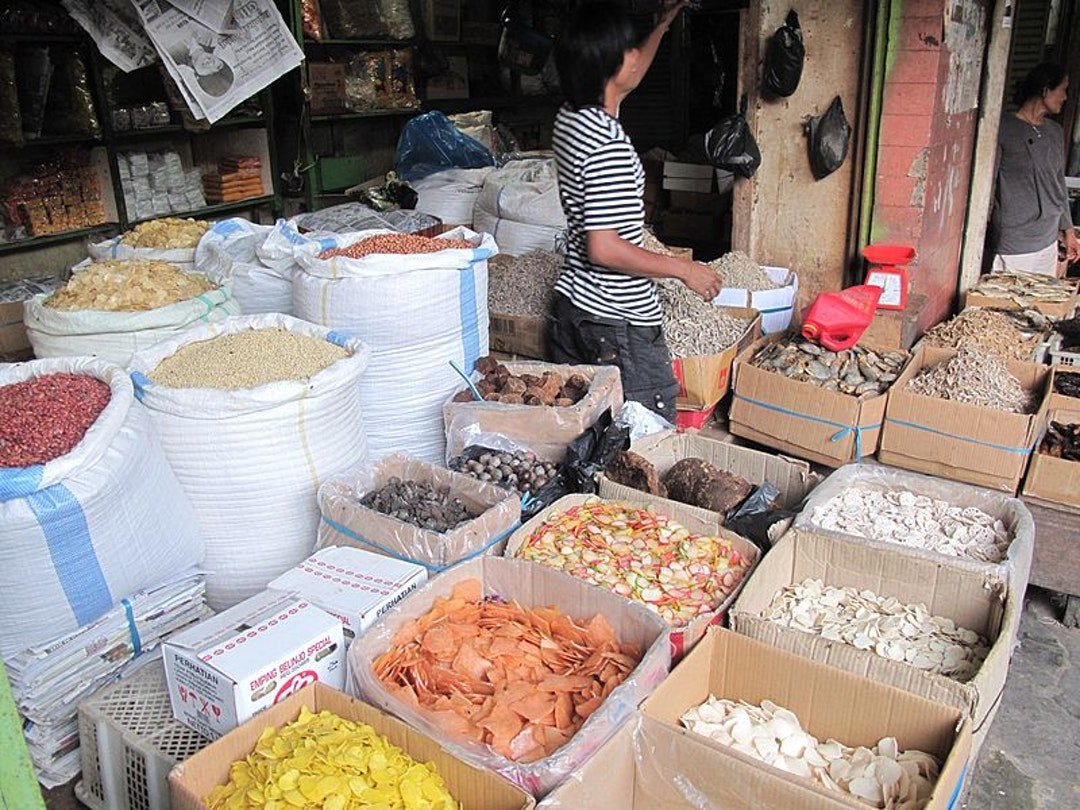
{"x": 1025, "y": 289}
{"x": 858, "y": 372}
{"x": 693, "y": 326}
{"x": 1062, "y": 441}
{"x": 974, "y": 377}
{"x": 523, "y": 285}
{"x": 1067, "y": 384}
{"x": 989, "y": 329}
{"x": 738, "y": 271}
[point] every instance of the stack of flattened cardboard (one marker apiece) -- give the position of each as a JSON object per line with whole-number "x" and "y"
{"x": 237, "y": 177}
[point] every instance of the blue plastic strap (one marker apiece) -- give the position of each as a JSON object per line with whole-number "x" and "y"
{"x": 955, "y": 797}
{"x": 74, "y": 559}
{"x": 140, "y": 382}
{"x": 774, "y": 310}
{"x": 339, "y": 339}
{"x": 18, "y": 482}
{"x": 840, "y": 435}
{"x": 438, "y": 569}
{"x": 470, "y": 320}
{"x": 133, "y": 628}
{"x": 1018, "y": 450}
{"x": 226, "y": 227}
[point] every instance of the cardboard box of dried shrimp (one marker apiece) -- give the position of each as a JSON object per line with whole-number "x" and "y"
{"x": 1051, "y": 479}
{"x": 346, "y": 522}
{"x": 519, "y": 335}
{"x": 827, "y": 703}
{"x": 793, "y": 478}
{"x": 545, "y": 429}
{"x": 640, "y": 562}
{"x": 981, "y": 446}
{"x": 971, "y": 600}
{"x": 504, "y": 627}
{"x": 232, "y": 666}
{"x": 799, "y": 418}
{"x": 191, "y": 782}
{"x": 705, "y": 379}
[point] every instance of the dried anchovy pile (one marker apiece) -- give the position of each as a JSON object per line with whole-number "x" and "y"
{"x": 974, "y": 377}
{"x": 988, "y": 329}
{"x": 857, "y": 371}
{"x": 739, "y": 272}
{"x": 419, "y": 503}
{"x": 694, "y": 326}
{"x": 1067, "y": 384}
{"x": 1025, "y": 289}
{"x": 523, "y": 285}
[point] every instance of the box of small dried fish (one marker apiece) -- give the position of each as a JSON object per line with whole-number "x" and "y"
{"x": 1012, "y": 334}
{"x": 1064, "y": 388}
{"x": 978, "y": 529}
{"x": 655, "y": 552}
{"x": 942, "y": 632}
{"x": 784, "y": 731}
{"x": 417, "y": 512}
{"x": 794, "y": 396}
{"x": 770, "y": 290}
{"x": 705, "y": 378}
{"x": 1051, "y": 296}
{"x": 513, "y": 666}
{"x": 964, "y": 414}
{"x": 1054, "y": 474}
{"x": 520, "y": 292}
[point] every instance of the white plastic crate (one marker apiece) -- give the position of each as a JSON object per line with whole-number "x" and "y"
{"x": 129, "y": 741}
{"x": 1060, "y": 356}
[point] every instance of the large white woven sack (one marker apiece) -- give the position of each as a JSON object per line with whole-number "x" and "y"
{"x": 115, "y": 336}
{"x": 418, "y": 313}
{"x": 114, "y": 248}
{"x": 251, "y": 460}
{"x": 520, "y": 207}
{"x": 228, "y": 255}
{"x": 83, "y": 532}
{"x": 451, "y": 195}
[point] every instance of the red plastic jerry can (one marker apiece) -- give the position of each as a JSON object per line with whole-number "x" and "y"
{"x": 837, "y": 320}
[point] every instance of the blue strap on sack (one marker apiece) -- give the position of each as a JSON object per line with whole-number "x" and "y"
{"x": 19, "y": 482}
{"x": 840, "y": 435}
{"x": 133, "y": 628}
{"x": 470, "y": 319}
{"x": 1026, "y": 451}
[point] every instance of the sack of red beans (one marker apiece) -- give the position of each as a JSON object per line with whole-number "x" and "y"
{"x": 90, "y": 510}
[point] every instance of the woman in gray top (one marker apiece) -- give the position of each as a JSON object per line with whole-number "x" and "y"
{"x": 1032, "y": 204}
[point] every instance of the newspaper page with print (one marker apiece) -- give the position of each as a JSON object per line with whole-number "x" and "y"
{"x": 217, "y": 71}
{"x": 211, "y": 13}
{"x": 115, "y": 28}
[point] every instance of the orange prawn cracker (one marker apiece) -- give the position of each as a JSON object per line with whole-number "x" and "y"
{"x": 520, "y": 680}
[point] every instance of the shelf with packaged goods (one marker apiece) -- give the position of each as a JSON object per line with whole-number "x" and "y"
{"x": 55, "y": 238}
{"x": 170, "y": 130}
{"x": 209, "y": 211}
{"x": 352, "y": 116}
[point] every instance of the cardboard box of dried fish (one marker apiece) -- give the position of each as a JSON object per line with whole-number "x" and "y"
{"x": 1015, "y": 334}
{"x": 542, "y": 406}
{"x": 969, "y": 527}
{"x": 725, "y": 475}
{"x": 417, "y": 512}
{"x": 1051, "y": 296}
{"x": 704, "y": 342}
{"x": 943, "y": 632}
{"x": 520, "y": 293}
{"x": 770, "y": 290}
{"x": 964, "y": 414}
{"x": 784, "y": 731}
{"x": 794, "y": 396}
{"x": 513, "y": 666}
{"x": 655, "y": 552}
{"x": 294, "y": 749}
{"x": 169, "y": 239}
{"x": 1053, "y": 479}
{"x": 1064, "y": 388}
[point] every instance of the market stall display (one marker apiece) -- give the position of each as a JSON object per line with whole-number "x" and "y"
{"x": 48, "y": 198}
{"x": 549, "y": 389}
{"x": 1054, "y": 475}
{"x": 974, "y": 377}
{"x": 858, "y": 371}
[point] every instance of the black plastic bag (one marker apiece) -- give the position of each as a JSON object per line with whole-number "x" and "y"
{"x": 730, "y": 145}
{"x": 593, "y": 451}
{"x": 829, "y": 135}
{"x": 757, "y": 515}
{"x": 784, "y": 58}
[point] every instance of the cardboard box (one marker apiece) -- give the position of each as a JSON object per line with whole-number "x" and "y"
{"x": 345, "y": 522}
{"x": 799, "y": 418}
{"x": 352, "y": 585}
{"x": 530, "y": 585}
{"x": 442, "y": 20}
{"x": 1056, "y": 400}
{"x": 705, "y": 379}
{"x": 792, "y": 478}
{"x": 327, "y": 83}
{"x": 955, "y": 440}
{"x": 776, "y": 306}
{"x": 683, "y": 638}
{"x": 13, "y": 337}
{"x": 546, "y": 430}
{"x": 192, "y": 780}
{"x": 894, "y": 329}
{"x": 231, "y": 666}
{"x": 972, "y": 599}
{"x": 1055, "y": 309}
{"x": 830, "y": 704}
{"x": 521, "y": 335}
{"x": 452, "y": 84}
{"x": 688, "y": 177}
{"x": 1054, "y": 481}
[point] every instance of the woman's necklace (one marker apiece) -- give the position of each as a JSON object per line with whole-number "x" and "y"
{"x": 1032, "y": 124}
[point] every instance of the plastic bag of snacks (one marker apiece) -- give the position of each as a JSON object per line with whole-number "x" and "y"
{"x": 90, "y": 510}
{"x": 228, "y": 255}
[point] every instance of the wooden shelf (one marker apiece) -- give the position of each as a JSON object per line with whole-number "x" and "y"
{"x": 54, "y": 238}
{"x": 179, "y": 129}
{"x": 367, "y": 114}
{"x": 212, "y": 210}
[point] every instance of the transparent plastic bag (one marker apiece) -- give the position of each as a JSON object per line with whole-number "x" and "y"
{"x": 34, "y": 77}
{"x": 431, "y": 143}
{"x": 397, "y": 18}
{"x": 353, "y": 19}
{"x": 71, "y": 107}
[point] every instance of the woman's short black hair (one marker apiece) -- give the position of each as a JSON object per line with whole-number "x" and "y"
{"x": 590, "y": 49}
{"x": 1042, "y": 77}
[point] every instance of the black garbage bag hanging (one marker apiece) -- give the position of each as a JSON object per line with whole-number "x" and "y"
{"x": 730, "y": 145}
{"x": 784, "y": 58}
{"x": 828, "y": 137}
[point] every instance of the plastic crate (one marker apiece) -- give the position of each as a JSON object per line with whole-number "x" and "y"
{"x": 1060, "y": 356}
{"x": 129, "y": 741}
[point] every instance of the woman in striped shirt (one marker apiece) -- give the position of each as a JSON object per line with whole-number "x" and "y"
{"x": 607, "y": 308}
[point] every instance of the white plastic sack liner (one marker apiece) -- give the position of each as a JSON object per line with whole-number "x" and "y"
{"x": 776, "y": 306}
{"x": 451, "y": 195}
{"x": 252, "y": 460}
{"x": 227, "y": 255}
{"x": 520, "y": 207}
{"x": 86, "y": 530}
{"x": 114, "y": 248}
{"x": 116, "y": 336}
{"x": 416, "y": 313}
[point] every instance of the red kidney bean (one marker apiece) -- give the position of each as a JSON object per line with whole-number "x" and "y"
{"x": 43, "y": 418}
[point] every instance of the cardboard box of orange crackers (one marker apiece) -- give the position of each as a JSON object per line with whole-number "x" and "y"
{"x": 513, "y": 666}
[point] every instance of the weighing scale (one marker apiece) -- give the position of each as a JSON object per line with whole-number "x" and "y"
{"x": 888, "y": 270}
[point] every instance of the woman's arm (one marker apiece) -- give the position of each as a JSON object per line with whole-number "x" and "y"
{"x": 608, "y": 249}
{"x": 651, "y": 45}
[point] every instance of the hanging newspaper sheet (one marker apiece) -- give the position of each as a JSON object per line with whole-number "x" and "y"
{"x": 115, "y": 29}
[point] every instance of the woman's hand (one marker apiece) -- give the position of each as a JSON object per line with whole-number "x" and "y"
{"x": 701, "y": 278}
{"x": 1072, "y": 246}
{"x": 669, "y": 12}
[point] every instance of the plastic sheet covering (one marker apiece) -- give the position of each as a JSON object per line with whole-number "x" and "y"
{"x": 1011, "y": 511}
{"x": 228, "y": 255}
{"x": 520, "y": 206}
{"x": 353, "y": 19}
{"x": 417, "y": 313}
{"x": 531, "y": 586}
{"x": 345, "y": 522}
{"x": 34, "y": 77}
{"x": 451, "y": 195}
{"x": 251, "y": 460}
{"x": 547, "y": 430}
{"x": 93, "y": 526}
{"x": 429, "y": 143}
{"x": 354, "y": 216}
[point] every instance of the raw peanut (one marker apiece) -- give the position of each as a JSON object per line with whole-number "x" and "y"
{"x": 43, "y": 418}
{"x": 398, "y": 243}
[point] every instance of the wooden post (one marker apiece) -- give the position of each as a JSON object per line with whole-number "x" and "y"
{"x": 18, "y": 782}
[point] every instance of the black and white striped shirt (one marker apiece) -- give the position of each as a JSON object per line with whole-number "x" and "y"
{"x": 601, "y": 183}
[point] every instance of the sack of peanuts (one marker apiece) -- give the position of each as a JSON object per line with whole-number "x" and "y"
{"x": 520, "y": 207}
{"x": 419, "y": 303}
{"x": 254, "y": 413}
{"x": 228, "y": 256}
{"x": 112, "y": 309}
{"x": 90, "y": 510}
